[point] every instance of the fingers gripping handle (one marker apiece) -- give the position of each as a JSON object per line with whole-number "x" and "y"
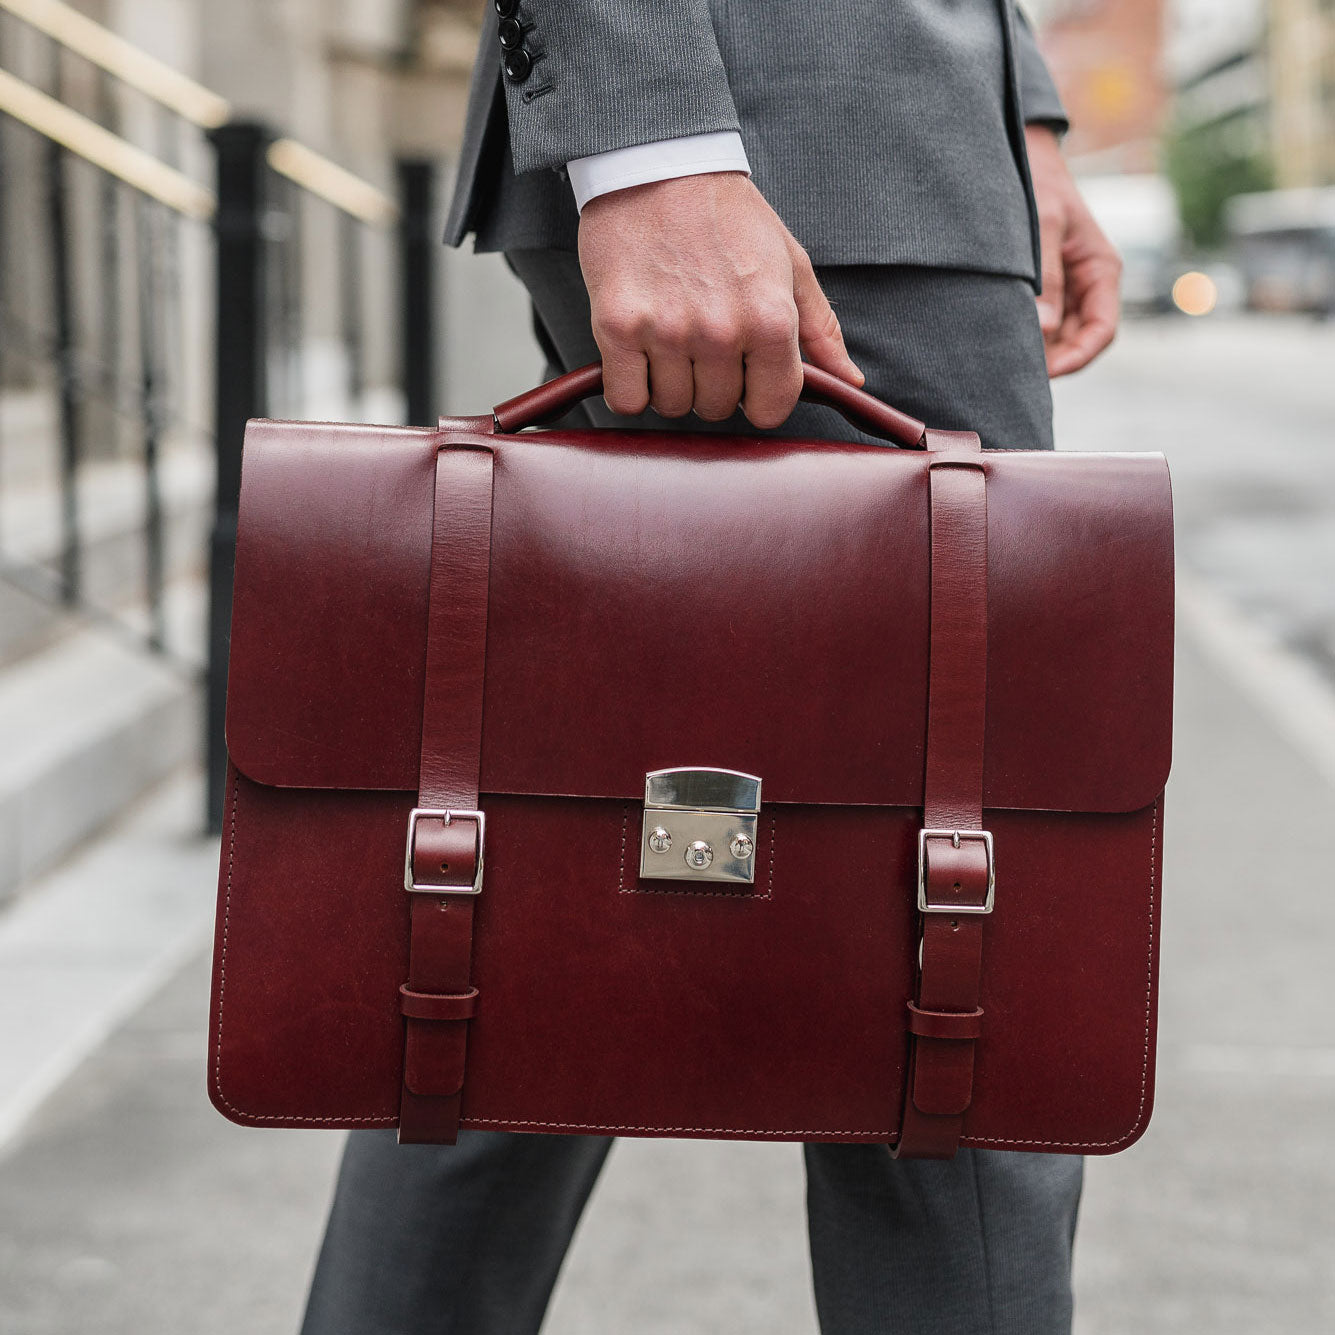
{"x": 864, "y": 411}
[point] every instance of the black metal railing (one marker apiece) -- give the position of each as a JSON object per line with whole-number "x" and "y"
{"x": 69, "y": 184}
{"x": 103, "y": 320}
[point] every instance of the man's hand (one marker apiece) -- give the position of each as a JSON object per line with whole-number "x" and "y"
{"x": 702, "y": 299}
{"x": 1079, "y": 306}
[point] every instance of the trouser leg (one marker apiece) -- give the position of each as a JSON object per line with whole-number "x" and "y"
{"x": 462, "y": 1239}
{"x": 976, "y": 1245}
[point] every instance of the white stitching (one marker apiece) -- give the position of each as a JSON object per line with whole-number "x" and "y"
{"x": 773, "y": 844}
{"x": 701, "y": 1130}
{"x": 389, "y": 1120}
{"x": 625, "y": 818}
{"x": 222, "y": 954}
{"x": 1126, "y": 1136}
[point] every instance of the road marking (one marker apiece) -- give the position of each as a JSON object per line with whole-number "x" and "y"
{"x": 1287, "y": 688}
{"x": 1254, "y": 1060}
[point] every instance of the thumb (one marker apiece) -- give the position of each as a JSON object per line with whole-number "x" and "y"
{"x": 818, "y": 332}
{"x": 1052, "y": 299}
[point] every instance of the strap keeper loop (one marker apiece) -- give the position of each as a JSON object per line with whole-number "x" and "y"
{"x": 960, "y": 1026}
{"x": 438, "y": 1005}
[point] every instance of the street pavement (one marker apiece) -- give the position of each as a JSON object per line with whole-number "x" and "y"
{"x": 128, "y": 1206}
{"x": 1244, "y": 408}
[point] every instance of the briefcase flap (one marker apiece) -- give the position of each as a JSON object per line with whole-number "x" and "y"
{"x": 660, "y": 600}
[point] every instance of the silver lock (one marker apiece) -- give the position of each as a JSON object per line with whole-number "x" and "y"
{"x": 711, "y": 814}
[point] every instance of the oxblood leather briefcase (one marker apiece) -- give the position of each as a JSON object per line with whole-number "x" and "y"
{"x": 692, "y": 785}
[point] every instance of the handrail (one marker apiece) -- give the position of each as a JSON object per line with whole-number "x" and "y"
{"x": 332, "y": 183}
{"x": 112, "y": 53}
{"x": 110, "y": 152}
{"x": 202, "y": 107}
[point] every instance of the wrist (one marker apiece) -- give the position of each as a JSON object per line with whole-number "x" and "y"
{"x": 675, "y": 198}
{"x": 1041, "y": 138}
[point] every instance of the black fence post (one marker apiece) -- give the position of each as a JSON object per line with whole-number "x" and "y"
{"x": 67, "y": 374}
{"x": 110, "y": 225}
{"x": 417, "y": 256}
{"x": 351, "y": 317}
{"x": 240, "y": 393}
{"x": 151, "y": 390}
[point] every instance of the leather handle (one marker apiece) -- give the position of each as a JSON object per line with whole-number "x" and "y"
{"x": 863, "y": 410}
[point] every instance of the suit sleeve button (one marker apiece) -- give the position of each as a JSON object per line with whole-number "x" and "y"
{"x": 511, "y": 33}
{"x": 518, "y": 65}
{"x": 506, "y": 8}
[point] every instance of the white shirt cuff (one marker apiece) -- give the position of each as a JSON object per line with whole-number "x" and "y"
{"x": 690, "y": 155}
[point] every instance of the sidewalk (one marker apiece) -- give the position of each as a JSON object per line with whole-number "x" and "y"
{"x": 128, "y": 1207}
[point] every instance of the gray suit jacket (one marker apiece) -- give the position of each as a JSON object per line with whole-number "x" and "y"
{"x": 882, "y": 131}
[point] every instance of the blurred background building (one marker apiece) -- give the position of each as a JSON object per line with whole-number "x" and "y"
{"x": 1205, "y": 133}
{"x": 1109, "y": 63}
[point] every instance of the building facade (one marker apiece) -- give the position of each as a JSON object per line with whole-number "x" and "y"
{"x": 1302, "y": 90}
{"x": 1107, "y": 57}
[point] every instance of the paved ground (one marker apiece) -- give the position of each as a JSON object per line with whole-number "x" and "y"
{"x": 1244, "y": 407}
{"x": 127, "y": 1205}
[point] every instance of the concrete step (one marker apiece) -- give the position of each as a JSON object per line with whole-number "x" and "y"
{"x": 112, "y": 512}
{"x": 28, "y": 425}
{"x": 88, "y": 724}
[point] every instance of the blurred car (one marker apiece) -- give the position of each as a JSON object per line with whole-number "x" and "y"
{"x": 1284, "y": 241}
{"x": 1139, "y": 214}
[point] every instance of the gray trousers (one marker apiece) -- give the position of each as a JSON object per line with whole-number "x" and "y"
{"x": 468, "y": 1239}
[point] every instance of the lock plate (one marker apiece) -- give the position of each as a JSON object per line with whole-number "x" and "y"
{"x": 700, "y": 825}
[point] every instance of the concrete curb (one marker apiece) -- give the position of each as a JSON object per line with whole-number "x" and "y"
{"x": 89, "y": 724}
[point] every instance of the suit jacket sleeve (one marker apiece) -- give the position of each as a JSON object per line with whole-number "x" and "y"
{"x": 1038, "y": 93}
{"x": 610, "y": 73}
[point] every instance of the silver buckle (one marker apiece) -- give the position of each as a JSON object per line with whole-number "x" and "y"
{"x": 449, "y": 817}
{"x": 955, "y": 836}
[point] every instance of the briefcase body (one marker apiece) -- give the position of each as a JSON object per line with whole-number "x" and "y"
{"x": 666, "y": 784}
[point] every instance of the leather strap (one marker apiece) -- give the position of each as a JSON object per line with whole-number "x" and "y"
{"x": 945, "y": 1021}
{"x": 438, "y": 1000}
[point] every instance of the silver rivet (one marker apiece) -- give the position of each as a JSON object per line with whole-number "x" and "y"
{"x": 742, "y": 847}
{"x": 699, "y": 855}
{"x": 659, "y": 840}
